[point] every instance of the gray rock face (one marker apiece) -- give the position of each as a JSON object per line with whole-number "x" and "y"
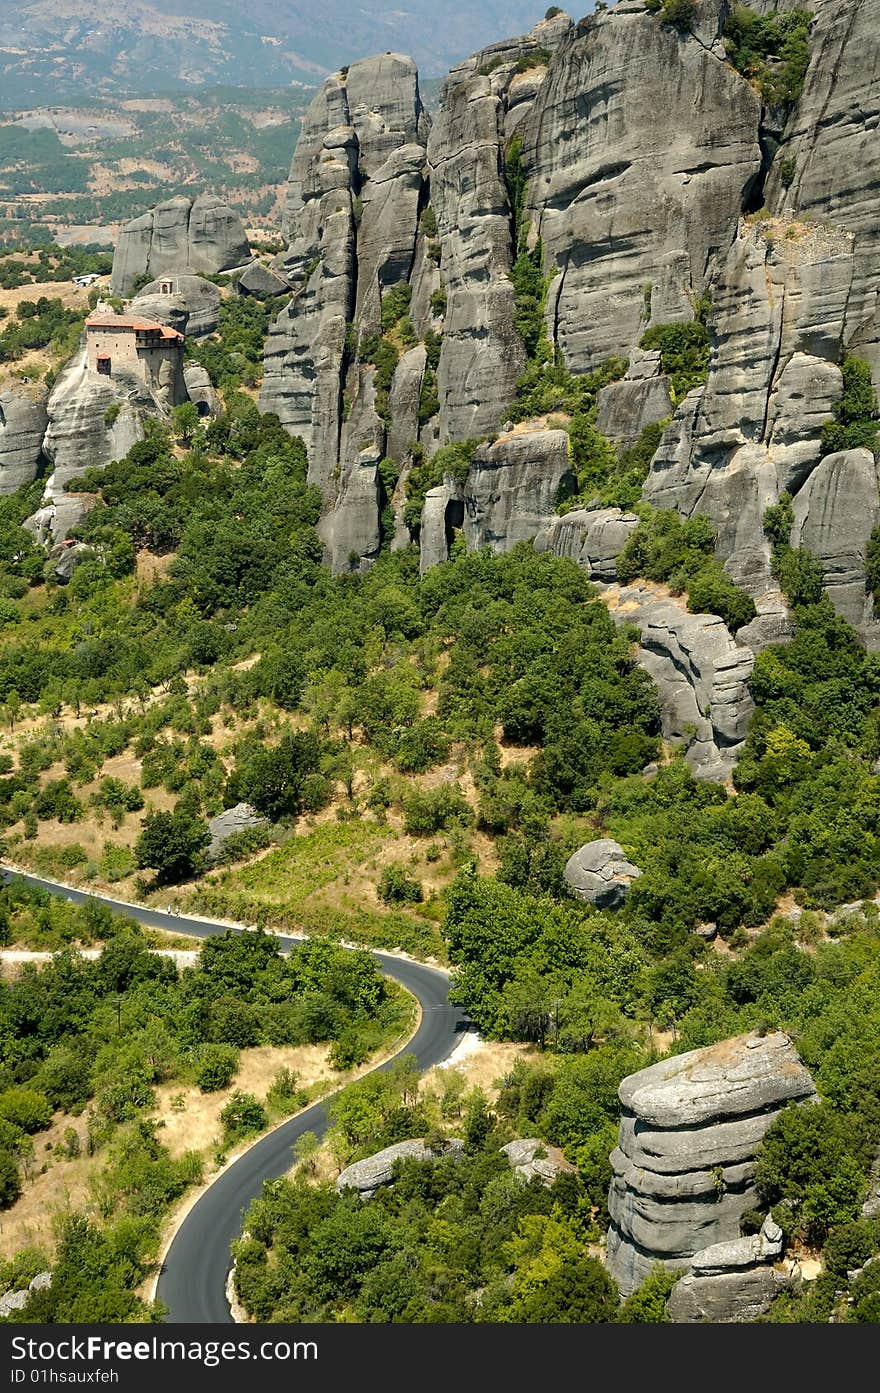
{"x": 241, "y": 818}
{"x": 261, "y": 282}
{"x": 482, "y": 354}
{"x": 634, "y": 188}
{"x": 700, "y": 672}
{"x": 23, "y": 421}
{"x": 198, "y": 299}
{"x": 67, "y": 556}
{"x": 200, "y": 391}
{"x": 834, "y": 515}
{"x": 683, "y": 1172}
{"x": 357, "y": 186}
{"x": 14, "y": 1301}
{"x": 601, "y": 873}
{"x": 78, "y": 436}
{"x": 777, "y": 329}
{"x": 642, "y": 398}
{"x": 726, "y": 1297}
{"x": 513, "y": 486}
{"x": 832, "y": 141}
{"x": 367, "y": 1175}
{"x": 442, "y": 511}
{"x": 594, "y": 538}
{"x": 200, "y": 235}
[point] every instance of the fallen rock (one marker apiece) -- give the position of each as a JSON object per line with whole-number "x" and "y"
{"x": 241, "y": 818}
{"x": 594, "y": 538}
{"x": 373, "y": 1171}
{"x": 601, "y": 873}
{"x": 533, "y": 1158}
{"x": 261, "y": 282}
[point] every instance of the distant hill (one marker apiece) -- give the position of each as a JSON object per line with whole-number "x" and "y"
{"x": 64, "y": 50}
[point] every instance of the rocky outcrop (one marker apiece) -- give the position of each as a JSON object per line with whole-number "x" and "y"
{"x": 513, "y": 487}
{"x": 229, "y": 823}
{"x": 828, "y": 166}
{"x": 14, "y": 1301}
{"x": 92, "y": 420}
{"x": 199, "y": 235}
{"x": 534, "y": 1159}
{"x": 700, "y": 672}
{"x": 643, "y": 397}
{"x": 601, "y": 873}
{"x": 632, "y": 186}
{"x": 593, "y": 537}
{"x": 683, "y": 1172}
{"x": 199, "y": 390}
{"x": 834, "y": 515}
{"x": 262, "y": 282}
{"x": 374, "y": 1171}
{"x": 192, "y": 306}
{"x": 357, "y": 189}
{"x": 482, "y": 354}
{"x": 777, "y": 330}
{"x": 23, "y": 421}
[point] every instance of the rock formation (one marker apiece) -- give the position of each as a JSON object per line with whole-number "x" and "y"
{"x": 534, "y": 1159}
{"x": 189, "y": 304}
{"x": 241, "y": 818}
{"x": 700, "y": 671}
{"x": 358, "y": 186}
{"x": 368, "y": 1175}
{"x": 828, "y": 166}
{"x": 601, "y": 873}
{"x": 197, "y": 235}
{"x": 632, "y": 187}
{"x": 684, "y": 1173}
{"x": 23, "y": 421}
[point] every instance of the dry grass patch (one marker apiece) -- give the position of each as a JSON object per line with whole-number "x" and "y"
{"x": 197, "y": 1126}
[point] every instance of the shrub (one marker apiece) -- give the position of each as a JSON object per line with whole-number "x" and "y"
{"x": 243, "y": 1116}
{"x": 26, "y": 1109}
{"x": 216, "y": 1067}
{"x": 396, "y": 887}
{"x": 10, "y": 1180}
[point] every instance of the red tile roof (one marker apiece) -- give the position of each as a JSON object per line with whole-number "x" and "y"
{"x": 142, "y": 326}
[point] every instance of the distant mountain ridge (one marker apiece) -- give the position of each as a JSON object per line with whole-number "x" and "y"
{"x": 63, "y": 50}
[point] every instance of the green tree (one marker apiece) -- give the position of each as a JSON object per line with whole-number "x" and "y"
{"x": 170, "y": 844}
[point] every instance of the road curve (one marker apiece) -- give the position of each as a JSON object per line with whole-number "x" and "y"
{"x": 192, "y": 1283}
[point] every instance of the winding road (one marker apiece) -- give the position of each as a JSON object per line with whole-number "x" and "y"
{"x": 192, "y": 1283}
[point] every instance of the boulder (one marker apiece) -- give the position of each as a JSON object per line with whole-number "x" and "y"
{"x": 533, "y": 1159}
{"x": 241, "y": 818}
{"x": 368, "y": 1175}
{"x": 601, "y": 873}
{"x": 726, "y": 1297}
{"x": 513, "y": 487}
{"x": 594, "y": 538}
{"x": 262, "y": 282}
{"x": 198, "y": 235}
{"x": 700, "y": 672}
{"x": 199, "y": 389}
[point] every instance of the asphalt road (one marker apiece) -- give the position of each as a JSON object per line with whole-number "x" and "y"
{"x": 192, "y": 1283}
